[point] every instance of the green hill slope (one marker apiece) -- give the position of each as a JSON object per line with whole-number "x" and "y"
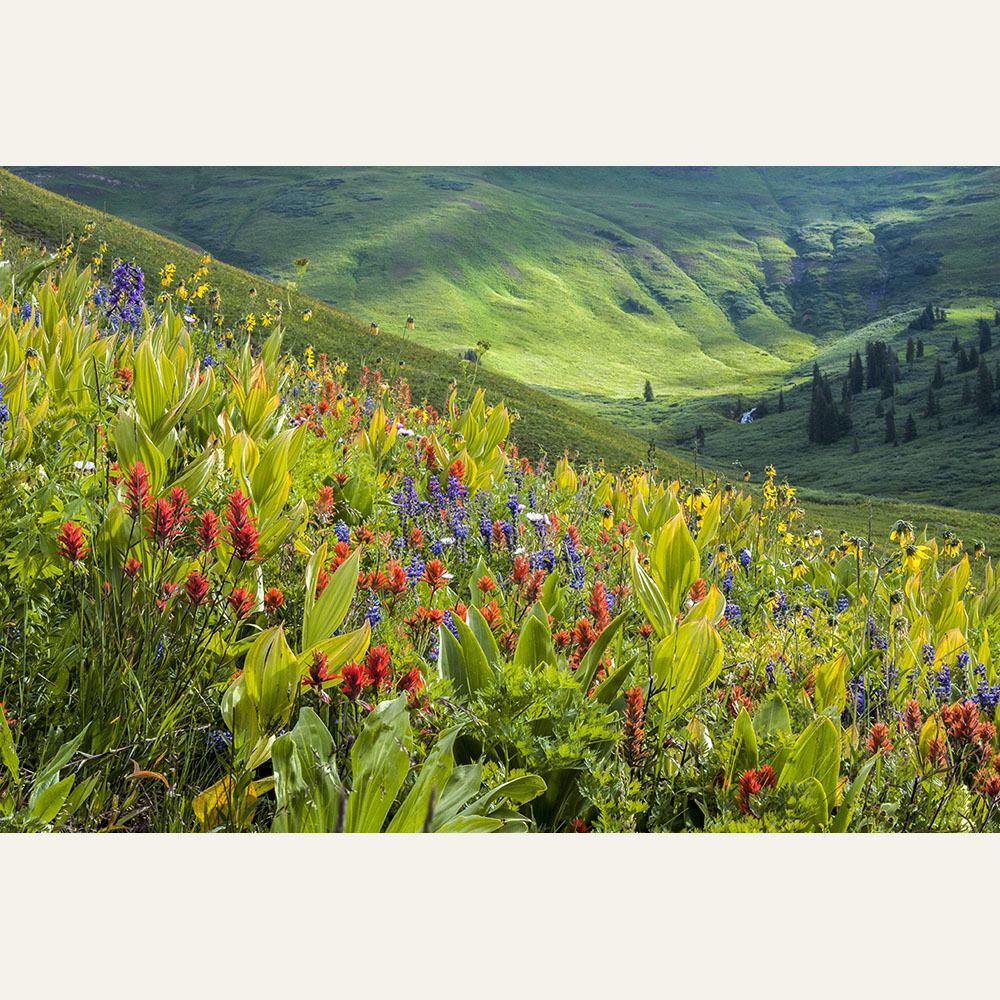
{"x": 711, "y": 283}
{"x": 30, "y": 213}
{"x": 544, "y": 424}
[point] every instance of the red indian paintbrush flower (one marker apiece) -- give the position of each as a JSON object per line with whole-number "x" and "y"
{"x": 179, "y": 504}
{"x": 751, "y": 783}
{"x": 598, "y": 606}
{"x": 132, "y": 567}
{"x": 197, "y": 588}
{"x": 354, "y": 677}
{"x": 411, "y": 682}
{"x": 208, "y": 531}
{"x": 242, "y": 531}
{"x": 71, "y": 542}
{"x": 633, "y": 729}
{"x": 137, "y": 491}
{"x": 434, "y": 574}
{"x": 377, "y": 666}
{"x": 491, "y": 614}
{"x": 324, "y": 501}
{"x": 878, "y": 738}
{"x": 241, "y": 601}
{"x": 317, "y": 675}
{"x": 274, "y": 599}
{"x": 161, "y": 527}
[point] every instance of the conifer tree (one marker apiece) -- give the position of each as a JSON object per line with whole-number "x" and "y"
{"x": 890, "y": 427}
{"x": 984, "y": 392}
{"x": 938, "y": 381}
{"x": 910, "y": 430}
{"x": 932, "y": 408}
{"x": 857, "y": 374}
{"x": 647, "y": 392}
{"x": 911, "y": 351}
{"x": 985, "y": 336}
{"x": 920, "y": 348}
{"x": 823, "y": 424}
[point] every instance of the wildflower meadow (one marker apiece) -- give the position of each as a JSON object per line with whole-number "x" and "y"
{"x": 246, "y": 588}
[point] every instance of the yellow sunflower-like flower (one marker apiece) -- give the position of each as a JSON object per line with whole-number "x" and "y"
{"x": 902, "y": 532}
{"x": 914, "y": 556}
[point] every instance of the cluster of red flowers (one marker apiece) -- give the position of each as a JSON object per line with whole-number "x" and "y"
{"x": 576, "y": 641}
{"x": 376, "y": 672}
{"x": 735, "y": 699}
{"x": 71, "y": 543}
{"x": 751, "y": 783}
{"x": 242, "y": 530}
{"x": 633, "y": 730}
{"x": 878, "y": 739}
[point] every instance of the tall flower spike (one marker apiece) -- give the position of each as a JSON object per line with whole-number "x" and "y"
{"x": 71, "y": 542}
{"x": 137, "y": 491}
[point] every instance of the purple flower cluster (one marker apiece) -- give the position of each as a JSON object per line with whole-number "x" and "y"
{"x": 125, "y": 295}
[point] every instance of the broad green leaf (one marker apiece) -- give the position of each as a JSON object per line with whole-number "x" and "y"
{"x": 484, "y": 635}
{"x": 587, "y": 670}
{"x": 331, "y": 607}
{"x": 517, "y": 790}
{"x": 674, "y": 563}
{"x": 842, "y": 821}
{"x": 685, "y": 663}
{"x": 816, "y": 754}
{"x": 451, "y": 661}
{"x": 534, "y": 645}
{"x": 471, "y": 824}
{"x": 7, "y": 752}
{"x": 434, "y": 774}
{"x": 771, "y": 717}
{"x": 830, "y": 691}
{"x": 651, "y": 599}
{"x": 45, "y": 805}
{"x": 477, "y": 668}
{"x": 744, "y": 753}
{"x": 380, "y": 763}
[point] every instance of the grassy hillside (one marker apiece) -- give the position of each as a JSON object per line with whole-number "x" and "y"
{"x": 545, "y": 424}
{"x": 30, "y": 214}
{"x": 712, "y": 283}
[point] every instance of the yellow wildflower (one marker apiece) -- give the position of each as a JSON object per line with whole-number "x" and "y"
{"x": 914, "y": 556}
{"x": 902, "y": 532}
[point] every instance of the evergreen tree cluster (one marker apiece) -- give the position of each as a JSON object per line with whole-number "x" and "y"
{"x": 927, "y": 319}
{"x": 826, "y": 423}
